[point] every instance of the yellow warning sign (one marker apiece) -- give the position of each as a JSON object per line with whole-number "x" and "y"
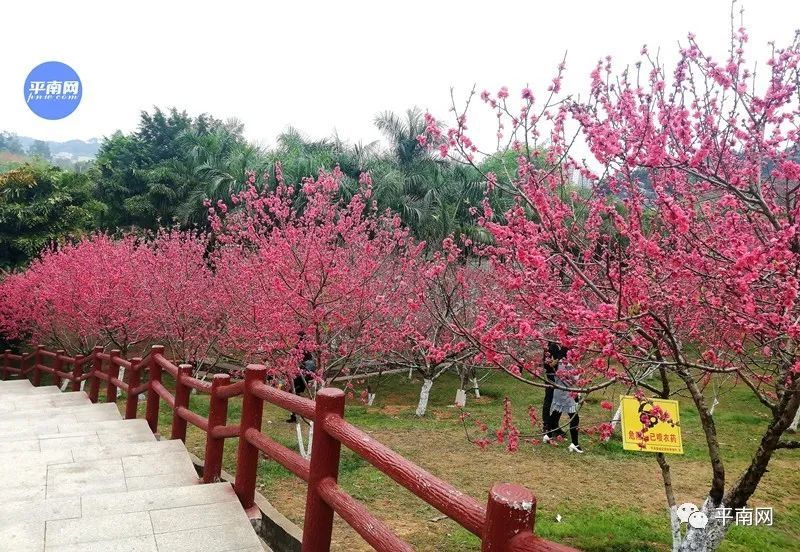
{"x": 651, "y": 425}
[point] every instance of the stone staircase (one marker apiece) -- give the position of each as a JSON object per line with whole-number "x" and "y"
{"x": 78, "y": 477}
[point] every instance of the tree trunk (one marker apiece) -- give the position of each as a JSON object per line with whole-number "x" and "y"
{"x": 785, "y": 411}
{"x": 710, "y": 431}
{"x": 675, "y": 525}
{"x": 305, "y": 450}
{"x": 461, "y": 398}
{"x": 672, "y": 507}
{"x": 699, "y": 537}
{"x": 120, "y": 393}
{"x": 615, "y": 420}
{"x": 300, "y": 440}
{"x": 708, "y": 538}
{"x": 475, "y": 388}
{"x": 795, "y": 422}
{"x": 424, "y": 393}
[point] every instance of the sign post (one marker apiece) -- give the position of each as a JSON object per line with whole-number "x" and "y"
{"x": 651, "y": 425}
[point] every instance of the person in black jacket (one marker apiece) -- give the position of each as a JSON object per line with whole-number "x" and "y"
{"x": 553, "y": 354}
{"x": 308, "y": 367}
{"x": 566, "y": 402}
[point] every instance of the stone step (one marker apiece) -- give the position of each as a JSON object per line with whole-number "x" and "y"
{"x": 90, "y": 452}
{"x": 47, "y": 428}
{"x": 134, "y": 431}
{"x": 86, "y": 480}
{"x": 190, "y": 518}
{"x": 82, "y": 413}
{"x": 10, "y": 403}
{"x": 21, "y": 457}
{"x": 59, "y": 416}
{"x": 127, "y": 473}
{"x": 26, "y": 388}
{"x": 17, "y": 384}
{"x": 36, "y": 393}
{"x": 43, "y": 398}
{"x": 22, "y": 511}
{"x": 118, "y": 450}
{"x": 23, "y": 385}
{"x": 157, "y": 499}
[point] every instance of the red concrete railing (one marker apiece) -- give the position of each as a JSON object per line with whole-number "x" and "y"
{"x": 504, "y": 524}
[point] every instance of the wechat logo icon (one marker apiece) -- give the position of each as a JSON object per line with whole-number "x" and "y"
{"x": 691, "y": 514}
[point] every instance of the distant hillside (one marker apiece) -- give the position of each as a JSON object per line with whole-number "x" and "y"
{"x": 73, "y": 150}
{"x": 7, "y": 157}
{"x": 10, "y": 161}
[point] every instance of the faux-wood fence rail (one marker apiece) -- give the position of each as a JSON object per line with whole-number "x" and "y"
{"x": 505, "y": 524}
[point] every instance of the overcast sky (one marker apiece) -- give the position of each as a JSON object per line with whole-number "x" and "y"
{"x": 321, "y": 66}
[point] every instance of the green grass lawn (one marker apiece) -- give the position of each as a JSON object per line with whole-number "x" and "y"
{"x": 608, "y": 499}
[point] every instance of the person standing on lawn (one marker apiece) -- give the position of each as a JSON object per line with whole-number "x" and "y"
{"x": 552, "y": 355}
{"x": 308, "y": 368}
{"x": 564, "y": 402}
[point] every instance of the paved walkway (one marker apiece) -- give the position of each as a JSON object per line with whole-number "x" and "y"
{"x": 79, "y": 478}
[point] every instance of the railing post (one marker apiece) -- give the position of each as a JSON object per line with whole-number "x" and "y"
{"x": 58, "y": 364}
{"x": 318, "y": 524}
{"x": 37, "y": 375}
{"x": 77, "y": 372}
{"x": 217, "y": 416}
{"x": 182, "y": 392}
{"x": 113, "y": 372}
{"x": 511, "y": 510}
{"x": 5, "y": 363}
{"x": 153, "y": 398}
{"x": 247, "y": 454}
{"x": 97, "y": 367}
{"x": 134, "y": 378}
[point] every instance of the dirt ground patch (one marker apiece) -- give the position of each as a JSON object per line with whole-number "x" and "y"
{"x": 561, "y": 481}
{"x": 590, "y": 492}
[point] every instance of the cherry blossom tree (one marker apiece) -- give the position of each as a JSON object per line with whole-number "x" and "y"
{"x": 305, "y": 269}
{"x": 125, "y": 294}
{"x": 180, "y": 296}
{"x": 673, "y": 250}
{"x": 440, "y": 301}
{"x": 79, "y": 295}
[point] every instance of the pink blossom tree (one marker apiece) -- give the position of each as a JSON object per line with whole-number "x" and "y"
{"x": 673, "y": 251}
{"x": 305, "y": 269}
{"x": 79, "y": 295}
{"x": 125, "y": 294}
{"x": 439, "y": 303}
{"x": 180, "y": 299}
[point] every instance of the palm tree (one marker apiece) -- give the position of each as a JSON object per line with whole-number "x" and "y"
{"x": 219, "y": 161}
{"x": 411, "y": 177}
{"x": 433, "y": 196}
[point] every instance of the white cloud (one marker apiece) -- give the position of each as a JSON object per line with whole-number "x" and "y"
{"x": 325, "y": 65}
